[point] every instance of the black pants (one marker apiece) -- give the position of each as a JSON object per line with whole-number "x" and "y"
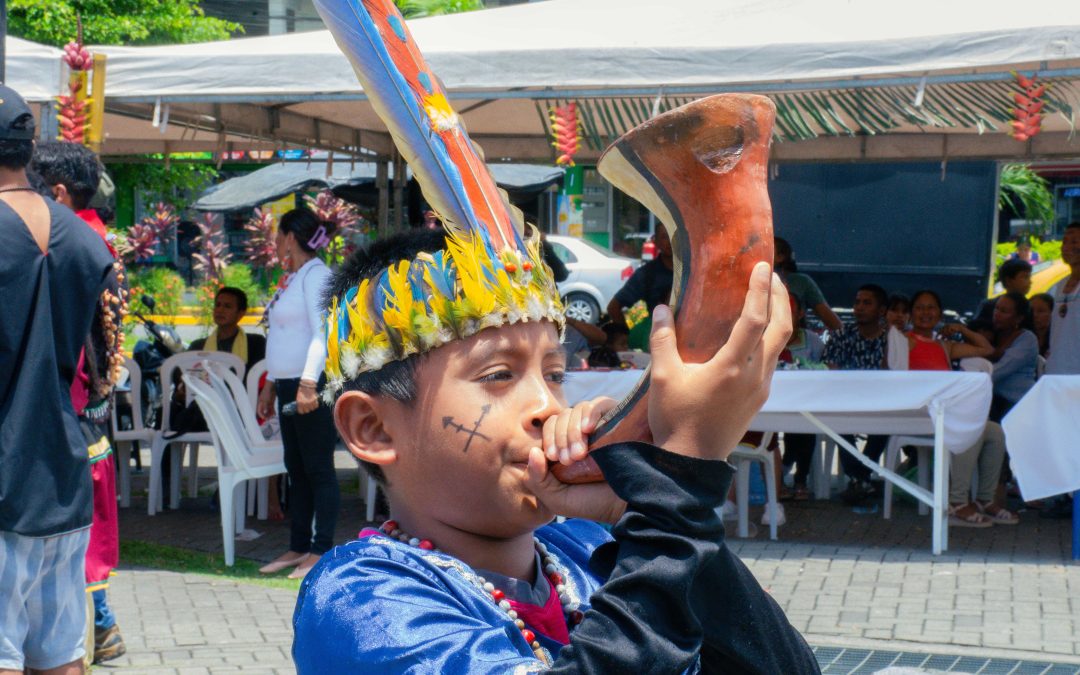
{"x": 309, "y": 458}
{"x": 799, "y": 450}
{"x": 853, "y": 468}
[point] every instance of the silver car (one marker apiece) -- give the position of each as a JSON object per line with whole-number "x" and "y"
{"x": 596, "y": 274}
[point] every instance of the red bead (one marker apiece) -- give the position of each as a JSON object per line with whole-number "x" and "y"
{"x": 498, "y": 595}
{"x": 511, "y": 268}
{"x": 556, "y": 578}
{"x": 389, "y": 526}
{"x": 427, "y": 545}
{"x": 577, "y": 616}
{"x": 528, "y": 635}
{"x": 527, "y": 266}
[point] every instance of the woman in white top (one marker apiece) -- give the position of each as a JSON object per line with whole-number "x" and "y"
{"x": 295, "y": 358}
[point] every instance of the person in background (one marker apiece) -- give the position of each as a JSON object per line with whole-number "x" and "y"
{"x": 1015, "y": 276}
{"x": 53, "y": 270}
{"x": 230, "y": 306}
{"x": 1042, "y": 309}
{"x": 930, "y": 352}
{"x": 651, "y": 282}
{"x": 861, "y": 347}
{"x": 72, "y": 172}
{"x": 1064, "y": 355}
{"x": 804, "y": 350}
{"x": 1016, "y": 354}
{"x": 579, "y": 337}
{"x": 1024, "y": 252}
{"x": 898, "y": 312}
{"x": 802, "y": 286}
{"x": 295, "y": 358}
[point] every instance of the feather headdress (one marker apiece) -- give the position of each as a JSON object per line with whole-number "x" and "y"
{"x": 489, "y": 274}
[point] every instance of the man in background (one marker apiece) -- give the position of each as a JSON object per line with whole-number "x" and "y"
{"x": 52, "y": 272}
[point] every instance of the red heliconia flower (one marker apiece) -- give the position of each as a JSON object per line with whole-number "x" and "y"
{"x": 213, "y": 253}
{"x": 259, "y": 248}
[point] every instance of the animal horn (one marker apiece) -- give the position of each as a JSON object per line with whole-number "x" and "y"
{"x": 701, "y": 169}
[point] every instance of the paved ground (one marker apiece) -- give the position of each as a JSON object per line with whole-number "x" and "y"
{"x": 845, "y": 580}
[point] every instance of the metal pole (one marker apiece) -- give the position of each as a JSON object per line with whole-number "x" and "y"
{"x": 3, "y": 41}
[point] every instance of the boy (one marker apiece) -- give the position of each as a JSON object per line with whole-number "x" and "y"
{"x": 471, "y": 575}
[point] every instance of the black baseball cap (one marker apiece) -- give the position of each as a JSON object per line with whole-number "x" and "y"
{"x": 16, "y": 120}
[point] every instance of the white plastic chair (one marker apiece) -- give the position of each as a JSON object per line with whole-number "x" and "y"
{"x": 229, "y": 387}
{"x": 1040, "y": 366}
{"x": 743, "y": 457}
{"x": 126, "y": 440}
{"x": 183, "y": 361}
{"x": 924, "y": 445}
{"x": 255, "y": 373}
{"x": 237, "y": 462}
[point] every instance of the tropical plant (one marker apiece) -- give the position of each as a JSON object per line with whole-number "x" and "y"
{"x": 116, "y": 22}
{"x": 1027, "y": 194}
{"x": 212, "y": 249}
{"x": 416, "y": 9}
{"x": 140, "y": 242}
{"x": 178, "y": 183}
{"x": 259, "y": 246}
{"x": 164, "y": 285}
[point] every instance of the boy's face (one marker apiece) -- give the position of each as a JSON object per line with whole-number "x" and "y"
{"x": 226, "y": 310}
{"x": 1021, "y": 283}
{"x": 462, "y": 448}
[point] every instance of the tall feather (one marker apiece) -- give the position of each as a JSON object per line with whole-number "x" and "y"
{"x": 412, "y": 103}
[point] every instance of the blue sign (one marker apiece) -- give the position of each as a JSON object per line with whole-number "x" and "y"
{"x": 1071, "y": 192}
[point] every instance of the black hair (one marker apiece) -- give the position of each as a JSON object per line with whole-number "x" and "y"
{"x": 899, "y": 300}
{"x": 72, "y": 165}
{"x": 15, "y": 154}
{"x": 878, "y": 292}
{"x": 1020, "y": 304}
{"x": 302, "y": 223}
{"x": 396, "y": 379}
{"x": 1045, "y": 297}
{"x": 240, "y": 295}
{"x": 932, "y": 294}
{"x": 977, "y": 325}
{"x": 1012, "y": 267}
{"x": 782, "y": 247}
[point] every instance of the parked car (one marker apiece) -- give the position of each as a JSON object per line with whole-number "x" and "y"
{"x": 596, "y": 274}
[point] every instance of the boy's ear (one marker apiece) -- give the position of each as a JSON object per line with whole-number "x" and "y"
{"x": 361, "y": 422}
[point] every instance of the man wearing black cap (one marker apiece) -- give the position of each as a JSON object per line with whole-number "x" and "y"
{"x": 52, "y": 271}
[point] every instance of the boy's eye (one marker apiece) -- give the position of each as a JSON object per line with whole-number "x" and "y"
{"x": 497, "y": 376}
{"x": 558, "y": 376}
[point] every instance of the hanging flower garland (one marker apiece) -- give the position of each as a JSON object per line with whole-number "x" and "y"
{"x": 565, "y": 128}
{"x": 1027, "y": 122}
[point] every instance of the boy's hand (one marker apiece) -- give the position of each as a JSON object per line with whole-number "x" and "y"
{"x": 565, "y": 440}
{"x": 702, "y": 410}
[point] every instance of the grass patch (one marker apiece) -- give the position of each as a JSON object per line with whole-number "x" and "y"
{"x": 173, "y": 559}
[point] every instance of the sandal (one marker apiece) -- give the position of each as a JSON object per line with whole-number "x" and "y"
{"x": 968, "y": 515}
{"x": 998, "y": 514}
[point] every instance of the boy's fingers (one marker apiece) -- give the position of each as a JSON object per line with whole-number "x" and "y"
{"x": 537, "y": 470}
{"x": 780, "y": 321}
{"x": 549, "y": 447}
{"x": 600, "y": 406}
{"x": 561, "y": 428}
{"x": 574, "y": 437}
{"x": 750, "y": 327}
{"x": 662, "y": 345}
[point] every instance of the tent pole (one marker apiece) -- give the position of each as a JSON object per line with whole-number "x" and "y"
{"x": 383, "y": 184}
{"x": 399, "y": 192}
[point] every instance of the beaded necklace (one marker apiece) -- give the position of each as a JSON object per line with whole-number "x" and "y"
{"x": 549, "y": 567}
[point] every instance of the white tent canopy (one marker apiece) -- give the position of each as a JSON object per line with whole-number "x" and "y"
{"x": 622, "y": 60}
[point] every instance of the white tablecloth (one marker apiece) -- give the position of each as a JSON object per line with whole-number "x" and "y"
{"x": 1042, "y": 433}
{"x": 583, "y": 385}
{"x": 880, "y": 402}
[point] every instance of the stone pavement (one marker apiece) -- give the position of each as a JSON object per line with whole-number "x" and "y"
{"x": 845, "y": 580}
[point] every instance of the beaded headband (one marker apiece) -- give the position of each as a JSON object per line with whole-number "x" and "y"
{"x": 488, "y": 275}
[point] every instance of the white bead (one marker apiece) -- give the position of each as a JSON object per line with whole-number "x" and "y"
{"x": 540, "y": 547}
{"x": 519, "y": 623}
{"x": 564, "y": 599}
{"x": 414, "y": 542}
{"x": 488, "y": 586}
{"x": 504, "y": 605}
{"x": 550, "y": 568}
{"x": 571, "y": 606}
{"x": 560, "y": 589}
{"x": 403, "y": 537}
{"x": 512, "y": 614}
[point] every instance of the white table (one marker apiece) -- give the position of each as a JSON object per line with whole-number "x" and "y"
{"x": 950, "y": 406}
{"x": 1043, "y": 435}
